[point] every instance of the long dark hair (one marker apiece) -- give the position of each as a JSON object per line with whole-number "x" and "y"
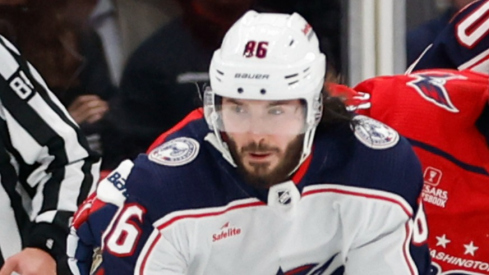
{"x": 334, "y": 112}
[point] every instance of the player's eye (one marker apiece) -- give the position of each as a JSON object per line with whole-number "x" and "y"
{"x": 238, "y": 109}
{"x": 277, "y": 110}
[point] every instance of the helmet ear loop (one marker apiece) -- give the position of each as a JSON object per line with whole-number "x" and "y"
{"x": 222, "y": 135}
{"x": 311, "y": 124}
{"x": 210, "y": 108}
{"x": 318, "y": 109}
{"x": 201, "y": 89}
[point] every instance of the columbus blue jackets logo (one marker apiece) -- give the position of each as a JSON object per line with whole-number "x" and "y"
{"x": 432, "y": 88}
{"x": 374, "y": 134}
{"x": 175, "y": 152}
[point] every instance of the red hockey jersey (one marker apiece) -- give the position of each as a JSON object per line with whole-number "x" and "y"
{"x": 442, "y": 112}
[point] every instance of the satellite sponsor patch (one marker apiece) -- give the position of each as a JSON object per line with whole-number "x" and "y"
{"x": 175, "y": 152}
{"x": 374, "y": 134}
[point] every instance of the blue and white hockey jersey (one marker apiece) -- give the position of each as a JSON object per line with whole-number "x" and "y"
{"x": 351, "y": 208}
{"x": 463, "y": 43}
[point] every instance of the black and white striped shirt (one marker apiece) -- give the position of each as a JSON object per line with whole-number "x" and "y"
{"x": 46, "y": 167}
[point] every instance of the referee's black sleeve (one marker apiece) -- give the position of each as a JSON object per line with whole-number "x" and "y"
{"x": 46, "y": 166}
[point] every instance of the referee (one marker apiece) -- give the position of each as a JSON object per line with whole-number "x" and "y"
{"x": 46, "y": 169}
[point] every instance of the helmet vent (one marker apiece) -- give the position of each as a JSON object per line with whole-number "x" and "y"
{"x": 263, "y": 91}
{"x": 240, "y": 90}
{"x": 218, "y": 79}
{"x": 291, "y": 42}
{"x": 292, "y": 77}
{"x": 307, "y": 69}
{"x": 219, "y": 72}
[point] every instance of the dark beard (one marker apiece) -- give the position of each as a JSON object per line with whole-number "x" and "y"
{"x": 259, "y": 179}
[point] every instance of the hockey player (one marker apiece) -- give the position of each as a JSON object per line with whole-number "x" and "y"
{"x": 452, "y": 141}
{"x": 463, "y": 44}
{"x": 445, "y": 116}
{"x": 286, "y": 181}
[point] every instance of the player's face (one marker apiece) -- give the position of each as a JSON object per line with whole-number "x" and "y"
{"x": 264, "y": 137}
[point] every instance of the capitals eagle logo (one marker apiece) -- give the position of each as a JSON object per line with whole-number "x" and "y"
{"x": 432, "y": 88}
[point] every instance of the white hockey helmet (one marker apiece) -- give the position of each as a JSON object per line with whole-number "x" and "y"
{"x": 268, "y": 56}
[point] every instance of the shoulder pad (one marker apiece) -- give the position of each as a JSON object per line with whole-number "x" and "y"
{"x": 374, "y": 134}
{"x": 112, "y": 189}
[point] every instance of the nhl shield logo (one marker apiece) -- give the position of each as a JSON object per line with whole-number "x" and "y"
{"x": 375, "y": 134}
{"x": 175, "y": 152}
{"x": 284, "y": 197}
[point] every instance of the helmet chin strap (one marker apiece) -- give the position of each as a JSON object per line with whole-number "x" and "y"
{"x": 309, "y": 134}
{"x": 215, "y": 139}
{"x": 306, "y": 148}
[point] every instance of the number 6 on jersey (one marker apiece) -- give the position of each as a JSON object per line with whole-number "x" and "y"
{"x": 125, "y": 234}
